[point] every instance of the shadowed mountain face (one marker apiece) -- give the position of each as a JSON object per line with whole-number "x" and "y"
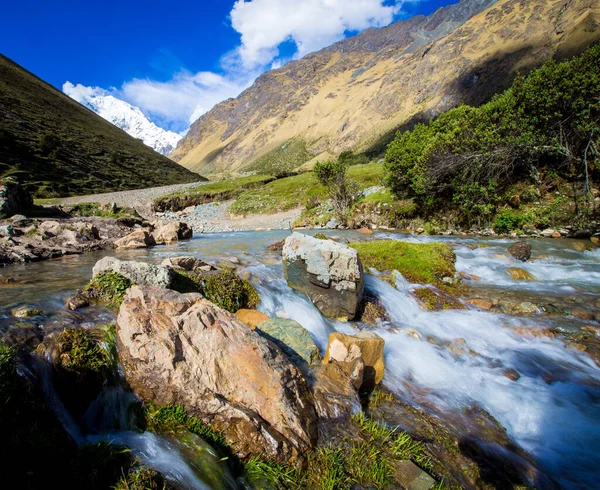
{"x": 356, "y": 93}
{"x": 57, "y": 147}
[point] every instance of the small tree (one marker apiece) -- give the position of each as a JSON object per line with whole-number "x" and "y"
{"x": 342, "y": 191}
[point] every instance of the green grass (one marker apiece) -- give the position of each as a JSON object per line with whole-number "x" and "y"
{"x": 284, "y": 158}
{"x": 421, "y": 263}
{"x": 299, "y": 190}
{"x": 173, "y": 418}
{"x": 95, "y": 209}
{"x": 213, "y": 192}
{"x": 57, "y": 147}
{"x": 271, "y": 475}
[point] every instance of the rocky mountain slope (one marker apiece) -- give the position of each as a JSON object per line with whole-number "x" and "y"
{"x": 57, "y": 147}
{"x": 356, "y": 93}
{"x": 131, "y": 120}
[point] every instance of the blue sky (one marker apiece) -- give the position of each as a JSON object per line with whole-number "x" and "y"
{"x": 176, "y": 60}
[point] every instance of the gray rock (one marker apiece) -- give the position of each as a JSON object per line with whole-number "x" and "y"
{"x": 329, "y": 273}
{"x": 139, "y": 273}
{"x": 332, "y": 223}
{"x": 292, "y": 338}
{"x": 191, "y": 264}
{"x": 520, "y": 251}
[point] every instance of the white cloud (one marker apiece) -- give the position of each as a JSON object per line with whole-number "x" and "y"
{"x": 81, "y": 93}
{"x": 185, "y": 97}
{"x": 310, "y": 24}
{"x": 263, "y": 26}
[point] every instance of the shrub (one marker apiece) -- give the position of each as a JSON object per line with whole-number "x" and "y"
{"x": 343, "y": 192}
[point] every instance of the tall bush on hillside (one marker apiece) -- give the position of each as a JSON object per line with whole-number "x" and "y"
{"x": 468, "y": 156}
{"x": 342, "y": 191}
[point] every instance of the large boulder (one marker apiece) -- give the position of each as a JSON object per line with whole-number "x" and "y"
{"x": 329, "y": 273}
{"x": 137, "y": 239}
{"x": 346, "y": 349}
{"x": 292, "y": 338}
{"x": 139, "y": 273}
{"x": 13, "y": 197}
{"x": 182, "y": 349}
{"x": 335, "y": 392}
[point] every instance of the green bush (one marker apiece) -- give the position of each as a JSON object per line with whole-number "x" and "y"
{"x": 469, "y": 156}
{"x": 343, "y": 192}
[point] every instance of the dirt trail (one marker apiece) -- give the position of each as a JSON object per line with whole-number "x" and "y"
{"x": 206, "y": 218}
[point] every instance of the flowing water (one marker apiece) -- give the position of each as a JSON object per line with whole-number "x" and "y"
{"x": 444, "y": 362}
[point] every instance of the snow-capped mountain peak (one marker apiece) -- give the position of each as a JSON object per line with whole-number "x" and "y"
{"x": 127, "y": 117}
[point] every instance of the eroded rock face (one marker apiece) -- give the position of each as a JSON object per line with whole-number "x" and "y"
{"x": 346, "y": 349}
{"x": 137, "y": 239}
{"x": 180, "y": 348}
{"x": 139, "y": 273}
{"x": 329, "y": 273}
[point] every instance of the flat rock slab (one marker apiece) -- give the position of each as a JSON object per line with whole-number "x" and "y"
{"x": 292, "y": 338}
{"x": 411, "y": 477}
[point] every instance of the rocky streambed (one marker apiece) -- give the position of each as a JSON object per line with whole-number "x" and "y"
{"x": 498, "y": 389}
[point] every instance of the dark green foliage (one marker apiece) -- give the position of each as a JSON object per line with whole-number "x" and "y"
{"x": 224, "y": 288}
{"x": 141, "y": 478}
{"x": 321, "y": 236}
{"x": 469, "y": 156}
{"x": 57, "y": 147}
{"x": 109, "y": 288}
{"x": 350, "y": 158}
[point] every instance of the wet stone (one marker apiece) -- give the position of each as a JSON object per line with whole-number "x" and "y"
{"x": 411, "y": 477}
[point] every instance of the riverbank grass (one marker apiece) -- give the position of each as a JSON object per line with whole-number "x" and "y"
{"x": 108, "y": 288}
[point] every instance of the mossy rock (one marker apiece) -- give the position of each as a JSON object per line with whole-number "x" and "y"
{"x": 224, "y": 288}
{"x": 292, "y": 338}
{"x": 419, "y": 263}
{"x": 107, "y": 288}
{"x": 437, "y": 300}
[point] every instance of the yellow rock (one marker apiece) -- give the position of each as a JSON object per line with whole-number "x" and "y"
{"x": 345, "y": 349}
{"x": 365, "y": 231}
{"x": 251, "y": 317}
{"x": 520, "y": 274}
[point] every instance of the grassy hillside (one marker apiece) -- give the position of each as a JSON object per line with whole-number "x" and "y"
{"x": 57, "y": 147}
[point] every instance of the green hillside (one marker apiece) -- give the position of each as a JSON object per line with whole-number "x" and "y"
{"x": 57, "y": 147}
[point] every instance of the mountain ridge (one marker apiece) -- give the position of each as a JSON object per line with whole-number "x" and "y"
{"x": 58, "y": 147}
{"x": 351, "y": 94}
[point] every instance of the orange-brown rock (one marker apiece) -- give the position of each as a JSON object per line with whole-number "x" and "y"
{"x": 182, "y": 349}
{"x": 346, "y": 349}
{"x": 137, "y": 239}
{"x": 520, "y": 274}
{"x": 251, "y": 318}
{"x": 482, "y": 304}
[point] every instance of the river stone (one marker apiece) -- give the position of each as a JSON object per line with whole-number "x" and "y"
{"x": 482, "y": 304}
{"x": 182, "y": 349}
{"x": 526, "y": 308}
{"x": 368, "y": 346}
{"x": 26, "y": 311}
{"x": 186, "y": 263}
{"x": 520, "y": 274}
{"x": 172, "y": 232}
{"x": 595, "y": 240}
{"x": 292, "y": 338}
{"x": 139, "y": 273}
{"x": 251, "y": 318}
{"x": 137, "y": 239}
{"x": 13, "y": 197}
{"x": 329, "y": 273}
{"x": 520, "y": 251}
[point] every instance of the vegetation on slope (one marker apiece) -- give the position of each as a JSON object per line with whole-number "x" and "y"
{"x": 469, "y": 159}
{"x": 57, "y": 147}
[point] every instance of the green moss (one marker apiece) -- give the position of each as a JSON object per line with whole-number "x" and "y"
{"x": 321, "y": 236}
{"x": 85, "y": 354}
{"x": 420, "y": 263}
{"x": 109, "y": 288}
{"x": 224, "y": 288}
